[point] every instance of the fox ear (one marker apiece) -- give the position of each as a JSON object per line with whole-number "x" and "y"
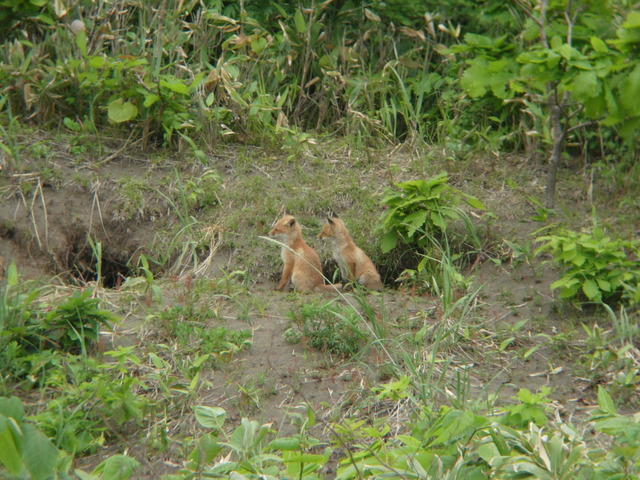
{"x": 329, "y": 220}
{"x": 291, "y": 222}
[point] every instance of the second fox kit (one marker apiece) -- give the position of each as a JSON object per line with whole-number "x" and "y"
{"x": 354, "y": 264}
{"x": 301, "y": 262}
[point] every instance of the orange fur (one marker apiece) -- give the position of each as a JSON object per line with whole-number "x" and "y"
{"x": 301, "y": 262}
{"x": 354, "y": 264}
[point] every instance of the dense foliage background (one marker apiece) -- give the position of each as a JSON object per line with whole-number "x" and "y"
{"x": 549, "y": 77}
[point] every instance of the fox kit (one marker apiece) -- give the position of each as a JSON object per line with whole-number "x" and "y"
{"x": 354, "y": 264}
{"x": 301, "y": 262}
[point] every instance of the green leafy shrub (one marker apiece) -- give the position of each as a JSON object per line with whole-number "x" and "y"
{"x": 327, "y": 329}
{"x": 75, "y": 324}
{"x": 568, "y": 68}
{"x": 420, "y": 211}
{"x": 594, "y": 266}
{"x": 28, "y": 331}
{"x": 532, "y": 407}
{"x": 420, "y": 214}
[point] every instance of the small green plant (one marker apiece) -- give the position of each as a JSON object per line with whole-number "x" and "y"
{"x": 151, "y": 286}
{"x": 222, "y": 342}
{"x": 610, "y": 356}
{"x": 595, "y": 267}
{"x": 29, "y": 331}
{"x": 532, "y": 408}
{"x": 625, "y": 434}
{"x": 419, "y": 212}
{"x": 76, "y": 323}
{"x": 328, "y": 329}
{"x": 521, "y": 253}
{"x": 201, "y": 192}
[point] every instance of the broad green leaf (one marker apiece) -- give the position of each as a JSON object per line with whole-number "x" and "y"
{"x": 150, "y": 99}
{"x": 415, "y": 221}
{"x": 482, "y": 41}
{"x": 258, "y": 45}
{"x": 12, "y": 275}
{"x": 12, "y": 406}
{"x": 591, "y": 290}
{"x": 208, "y": 449}
{"x": 285, "y": 443}
{"x": 497, "y": 66}
{"x": 630, "y": 92}
{"x": 438, "y": 220}
{"x": 563, "y": 282}
{"x": 71, "y": 124}
{"x": 628, "y": 129}
{"x": 81, "y": 42}
{"x": 97, "y": 61}
{"x": 40, "y": 456}
{"x": 117, "y": 467}
{"x": 605, "y": 402}
{"x": 175, "y": 85}
{"x": 577, "y": 259}
{"x": 598, "y": 45}
{"x": 298, "y": 20}
{"x": 568, "y": 52}
{"x": 120, "y": 111}
{"x": 555, "y": 42}
{"x": 632, "y": 21}
{"x": 325, "y": 61}
{"x": 476, "y": 79}
{"x": 200, "y": 360}
{"x": 553, "y": 59}
{"x": 10, "y": 455}
{"x": 388, "y": 242}
{"x": 604, "y": 285}
{"x": 585, "y": 86}
{"x": 612, "y": 106}
{"x": 210, "y": 417}
{"x": 475, "y": 203}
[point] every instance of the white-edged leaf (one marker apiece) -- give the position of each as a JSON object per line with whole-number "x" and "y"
{"x": 210, "y": 417}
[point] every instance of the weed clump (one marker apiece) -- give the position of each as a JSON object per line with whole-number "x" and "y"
{"x": 326, "y": 329}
